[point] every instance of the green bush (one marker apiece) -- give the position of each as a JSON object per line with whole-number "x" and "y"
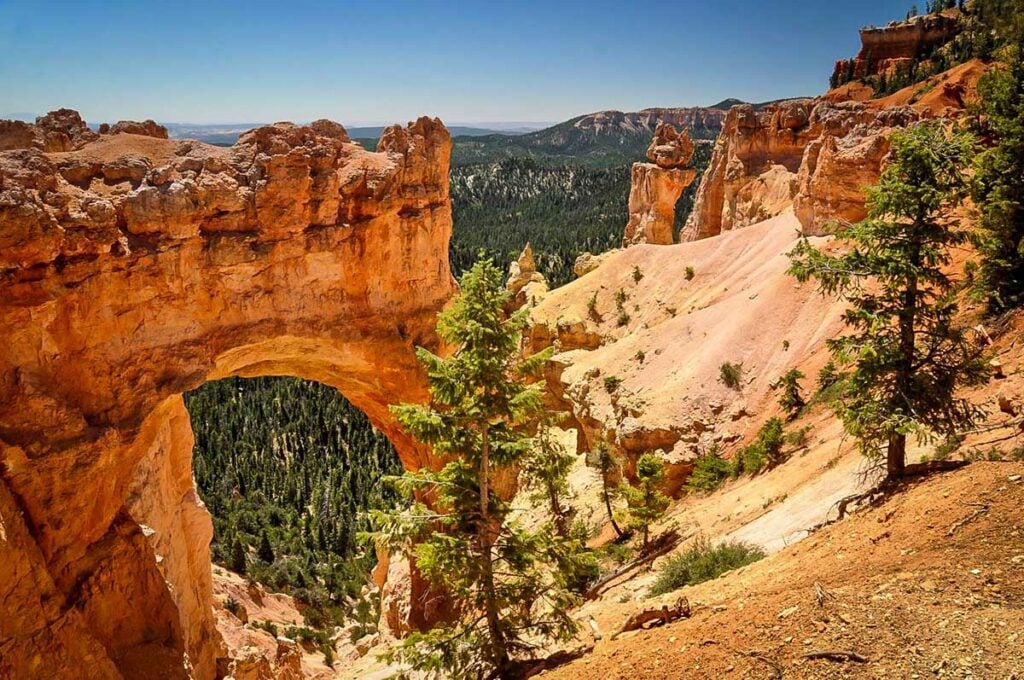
{"x": 637, "y": 274}
{"x": 690, "y": 273}
{"x": 730, "y": 374}
{"x": 611, "y": 383}
{"x": 709, "y": 472}
{"x": 765, "y": 451}
{"x": 233, "y": 605}
{"x": 827, "y": 376}
{"x": 703, "y": 562}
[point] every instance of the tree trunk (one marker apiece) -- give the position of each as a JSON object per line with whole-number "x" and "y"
{"x": 556, "y": 511}
{"x": 896, "y": 451}
{"x": 499, "y": 651}
{"x": 896, "y": 456}
{"x": 608, "y": 507}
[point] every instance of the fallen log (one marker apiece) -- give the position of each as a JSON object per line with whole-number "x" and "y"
{"x": 661, "y": 545}
{"x": 656, "y": 617}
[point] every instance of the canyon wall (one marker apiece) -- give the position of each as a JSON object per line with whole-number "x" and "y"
{"x": 704, "y": 122}
{"x": 814, "y": 156}
{"x": 134, "y": 268}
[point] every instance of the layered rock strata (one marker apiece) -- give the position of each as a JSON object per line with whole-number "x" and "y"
{"x": 134, "y": 268}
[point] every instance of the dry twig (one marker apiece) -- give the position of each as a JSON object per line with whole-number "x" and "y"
{"x": 835, "y": 655}
{"x": 982, "y": 508}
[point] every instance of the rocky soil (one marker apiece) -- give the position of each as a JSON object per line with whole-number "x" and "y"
{"x": 925, "y": 584}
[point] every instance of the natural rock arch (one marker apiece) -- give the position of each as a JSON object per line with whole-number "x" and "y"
{"x": 135, "y": 268}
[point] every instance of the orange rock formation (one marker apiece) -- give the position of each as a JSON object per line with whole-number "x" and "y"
{"x": 813, "y": 155}
{"x": 134, "y": 268}
{"x": 655, "y": 187}
{"x": 885, "y": 49}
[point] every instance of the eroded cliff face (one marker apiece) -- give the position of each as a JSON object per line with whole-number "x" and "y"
{"x": 811, "y": 155}
{"x": 655, "y": 187}
{"x": 134, "y": 268}
{"x": 653, "y": 382}
{"x": 703, "y": 121}
{"x": 887, "y": 48}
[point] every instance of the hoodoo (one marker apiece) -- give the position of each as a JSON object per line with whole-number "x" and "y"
{"x": 136, "y": 268}
{"x": 655, "y": 187}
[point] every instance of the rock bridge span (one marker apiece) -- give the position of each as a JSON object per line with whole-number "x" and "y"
{"x": 134, "y": 268}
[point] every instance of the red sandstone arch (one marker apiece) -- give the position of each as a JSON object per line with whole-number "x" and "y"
{"x": 133, "y": 269}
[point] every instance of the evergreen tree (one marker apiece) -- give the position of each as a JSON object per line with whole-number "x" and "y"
{"x": 609, "y": 469}
{"x": 265, "y": 551}
{"x": 999, "y": 184}
{"x": 547, "y": 474}
{"x": 905, "y": 353}
{"x": 790, "y": 399}
{"x": 646, "y": 503}
{"x": 508, "y": 585}
{"x": 237, "y": 563}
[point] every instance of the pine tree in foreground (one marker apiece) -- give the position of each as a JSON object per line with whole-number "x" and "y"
{"x": 508, "y": 585}
{"x": 905, "y": 356}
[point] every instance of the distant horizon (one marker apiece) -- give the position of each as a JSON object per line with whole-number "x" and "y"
{"x": 375, "y": 64}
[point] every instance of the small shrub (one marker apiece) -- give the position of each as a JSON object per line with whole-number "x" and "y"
{"x": 730, "y": 374}
{"x": 611, "y": 383}
{"x": 637, "y": 274}
{"x": 640, "y": 356}
{"x": 592, "y": 307}
{"x": 703, "y": 562}
{"x": 690, "y": 273}
{"x": 765, "y": 451}
{"x": 785, "y": 345}
{"x": 750, "y": 460}
{"x": 827, "y": 376}
{"x": 623, "y": 318}
{"x": 233, "y": 605}
{"x": 620, "y": 297}
{"x": 268, "y": 626}
{"x": 948, "y": 446}
{"x": 797, "y": 438}
{"x": 790, "y": 399}
{"x": 1017, "y": 454}
{"x": 709, "y": 472}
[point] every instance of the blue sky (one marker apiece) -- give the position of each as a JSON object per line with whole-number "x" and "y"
{"x": 379, "y": 62}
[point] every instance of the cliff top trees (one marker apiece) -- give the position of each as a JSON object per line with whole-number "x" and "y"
{"x": 905, "y": 356}
{"x": 508, "y": 585}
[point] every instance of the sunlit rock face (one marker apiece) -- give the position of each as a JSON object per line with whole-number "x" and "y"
{"x": 655, "y": 187}
{"x": 814, "y": 156}
{"x": 134, "y": 268}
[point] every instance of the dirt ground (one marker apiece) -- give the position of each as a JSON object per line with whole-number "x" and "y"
{"x": 927, "y": 584}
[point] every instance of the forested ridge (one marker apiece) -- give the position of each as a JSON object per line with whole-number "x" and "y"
{"x": 561, "y": 209}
